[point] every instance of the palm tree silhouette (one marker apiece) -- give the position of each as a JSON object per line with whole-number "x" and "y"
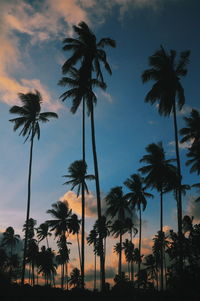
{"x": 166, "y": 73}
{"x": 29, "y": 118}
{"x": 191, "y": 133}
{"x": 10, "y": 239}
{"x": 63, "y": 257}
{"x": 159, "y": 174}
{"x": 47, "y": 265}
{"x": 92, "y": 240}
{"x": 128, "y": 248}
{"x": 91, "y": 54}
{"x": 32, "y": 255}
{"x": 74, "y": 228}
{"x": 78, "y": 176}
{"x": 118, "y": 207}
{"x": 75, "y": 278}
{"x": 136, "y": 198}
{"x": 43, "y": 233}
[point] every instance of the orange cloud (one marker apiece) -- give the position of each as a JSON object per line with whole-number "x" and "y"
{"x": 75, "y": 203}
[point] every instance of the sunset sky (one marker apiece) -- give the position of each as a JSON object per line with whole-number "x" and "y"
{"x": 31, "y": 56}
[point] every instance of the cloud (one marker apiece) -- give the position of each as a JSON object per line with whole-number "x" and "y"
{"x": 107, "y": 96}
{"x": 75, "y": 203}
{"x": 182, "y": 146}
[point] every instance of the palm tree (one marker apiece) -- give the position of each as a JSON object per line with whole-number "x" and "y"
{"x": 191, "y": 133}
{"x": 90, "y": 53}
{"x": 128, "y": 247}
{"x": 75, "y": 278}
{"x": 166, "y": 73}
{"x": 10, "y": 239}
{"x": 160, "y": 174}
{"x": 92, "y": 240}
{"x": 29, "y": 119}
{"x": 137, "y": 197}
{"x": 74, "y": 228}
{"x": 78, "y": 176}
{"x": 32, "y": 255}
{"x": 194, "y": 160}
{"x": 43, "y": 232}
{"x": 151, "y": 267}
{"x": 118, "y": 207}
{"x": 63, "y": 258}
{"x": 47, "y": 265}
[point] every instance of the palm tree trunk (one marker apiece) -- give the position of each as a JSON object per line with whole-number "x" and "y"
{"x": 102, "y": 267}
{"x": 47, "y": 242}
{"x": 66, "y": 272}
{"x": 120, "y": 256}
{"x": 95, "y": 270}
{"x": 79, "y": 251}
{"x": 179, "y": 199}
{"x": 33, "y": 273}
{"x": 28, "y": 209}
{"x": 62, "y": 275}
{"x": 140, "y": 240}
{"x": 161, "y": 249}
{"x": 83, "y": 238}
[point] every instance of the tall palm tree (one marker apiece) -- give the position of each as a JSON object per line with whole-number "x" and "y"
{"x": 91, "y": 54}
{"x": 10, "y": 239}
{"x": 47, "y": 265}
{"x": 29, "y": 119}
{"x": 43, "y": 233}
{"x": 137, "y": 199}
{"x": 169, "y": 94}
{"x": 78, "y": 176}
{"x": 159, "y": 174}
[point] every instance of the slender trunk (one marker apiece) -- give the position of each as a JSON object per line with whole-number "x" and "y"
{"x": 62, "y": 275}
{"x": 161, "y": 233}
{"x": 10, "y": 272}
{"x": 28, "y": 209}
{"x": 95, "y": 270}
{"x": 179, "y": 199}
{"x": 47, "y": 242}
{"x": 102, "y": 267}
{"x": 66, "y": 272}
{"x": 129, "y": 273}
{"x": 120, "y": 255}
{"x": 79, "y": 251}
{"x": 140, "y": 239}
{"x": 83, "y": 238}
{"x": 33, "y": 270}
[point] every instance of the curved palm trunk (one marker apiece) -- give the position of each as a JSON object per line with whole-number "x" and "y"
{"x": 28, "y": 209}
{"x": 140, "y": 240}
{"x": 47, "y": 241}
{"x": 161, "y": 249}
{"x": 102, "y": 267}
{"x": 179, "y": 199}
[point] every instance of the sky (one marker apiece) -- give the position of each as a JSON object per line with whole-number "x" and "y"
{"x": 31, "y": 57}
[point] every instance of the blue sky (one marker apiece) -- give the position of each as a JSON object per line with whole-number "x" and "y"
{"x": 31, "y": 57}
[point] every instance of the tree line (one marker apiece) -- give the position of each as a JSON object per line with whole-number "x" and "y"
{"x": 82, "y": 73}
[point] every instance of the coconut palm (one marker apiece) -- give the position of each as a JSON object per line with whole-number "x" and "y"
{"x": 128, "y": 248}
{"x": 194, "y": 159}
{"x": 92, "y": 240}
{"x": 47, "y": 265}
{"x": 75, "y": 278}
{"x": 91, "y": 54}
{"x": 191, "y": 133}
{"x": 160, "y": 174}
{"x": 169, "y": 94}
{"x": 137, "y": 199}
{"x": 43, "y": 233}
{"x": 63, "y": 258}
{"x": 29, "y": 120}
{"x": 77, "y": 178}
{"x": 10, "y": 240}
{"x": 32, "y": 255}
{"x": 74, "y": 228}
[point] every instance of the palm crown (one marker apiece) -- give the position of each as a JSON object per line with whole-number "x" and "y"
{"x": 30, "y": 114}
{"x": 166, "y": 73}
